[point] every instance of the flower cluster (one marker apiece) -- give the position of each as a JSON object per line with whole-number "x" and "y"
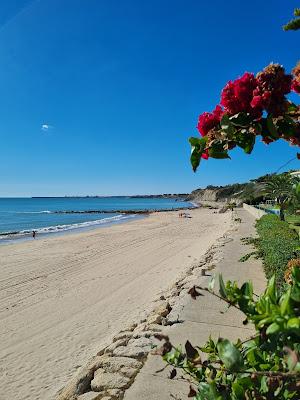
{"x": 272, "y": 86}
{"x": 208, "y": 121}
{"x": 296, "y": 80}
{"x": 250, "y": 106}
{"x": 237, "y": 95}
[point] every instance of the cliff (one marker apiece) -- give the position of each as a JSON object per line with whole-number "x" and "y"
{"x": 249, "y": 192}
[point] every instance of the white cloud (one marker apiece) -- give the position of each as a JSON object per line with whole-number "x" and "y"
{"x": 46, "y": 127}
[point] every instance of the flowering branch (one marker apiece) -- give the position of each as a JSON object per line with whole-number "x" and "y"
{"x": 250, "y": 106}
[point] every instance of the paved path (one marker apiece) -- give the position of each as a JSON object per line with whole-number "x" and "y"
{"x": 203, "y": 317}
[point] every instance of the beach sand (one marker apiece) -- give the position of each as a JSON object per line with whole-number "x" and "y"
{"x": 62, "y": 298}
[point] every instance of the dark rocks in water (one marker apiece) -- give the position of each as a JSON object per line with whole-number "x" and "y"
{"x": 122, "y": 211}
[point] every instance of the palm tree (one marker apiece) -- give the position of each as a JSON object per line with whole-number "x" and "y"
{"x": 284, "y": 189}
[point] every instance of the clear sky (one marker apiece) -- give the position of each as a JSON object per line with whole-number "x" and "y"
{"x": 100, "y": 96}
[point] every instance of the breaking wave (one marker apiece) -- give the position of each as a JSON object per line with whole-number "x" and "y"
{"x": 66, "y": 227}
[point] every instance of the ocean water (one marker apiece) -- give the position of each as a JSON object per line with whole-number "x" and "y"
{"x": 20, "y": 216}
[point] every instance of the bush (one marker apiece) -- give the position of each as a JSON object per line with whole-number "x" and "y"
{"x": 277, "y": 245}
{"x": 263, "y": 367}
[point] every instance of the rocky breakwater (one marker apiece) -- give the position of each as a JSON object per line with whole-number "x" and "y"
{"x": 114, "y": 368}
{"x": 150, "y": 211}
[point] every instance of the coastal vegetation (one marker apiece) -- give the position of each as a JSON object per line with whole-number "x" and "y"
{"x": 277, "y": 244}
{"x": 283, "y": 189}
{"x": 264, "y": 366}
{"x": 267, "y": 365}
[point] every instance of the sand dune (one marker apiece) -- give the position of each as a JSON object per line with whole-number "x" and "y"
{"x": 62, "y": 297}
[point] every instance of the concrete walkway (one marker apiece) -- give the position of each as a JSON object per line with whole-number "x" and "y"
{"x": 203, "y": 316}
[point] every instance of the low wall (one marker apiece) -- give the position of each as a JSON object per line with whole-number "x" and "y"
{"x": 254, "y": 211}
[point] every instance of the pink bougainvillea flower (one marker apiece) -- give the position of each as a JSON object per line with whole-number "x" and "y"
{"x": 257, "y": 102}
{"x": 272, "y": 86}
{"x": 296, "y": 86}
{"x": 205, "y": 155}
{"x": 237, "y": 95}
{"x": 209, "y": 120}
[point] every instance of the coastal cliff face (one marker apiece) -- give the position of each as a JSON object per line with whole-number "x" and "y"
{"x": 220, "y": 195}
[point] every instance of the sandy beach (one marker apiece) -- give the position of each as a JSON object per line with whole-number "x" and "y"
{"x": 64, "y": 297}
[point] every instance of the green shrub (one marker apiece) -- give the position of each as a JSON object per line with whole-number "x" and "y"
{"x": 277, "y": 244}
{"x": 263, "y": 367}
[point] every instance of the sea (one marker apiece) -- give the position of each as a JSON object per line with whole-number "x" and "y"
{"x": 19, "y": 217}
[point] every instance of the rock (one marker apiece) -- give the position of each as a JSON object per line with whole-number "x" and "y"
{"x": 154, "y": 319}
{"x": 115, "y": 393}
{"x": 130, "y": 351}
{"x": 100, "y": 352}
{"x": 129, "y": 372}
{"x": 130, "y": 328}
{"x": 80, "y": 383}
{"x": 90, "y": 396}
{"x": 154, "y": 328}
{"x": 115, "y": 364}
{"x": 146, "y": 334}
{"x": 117, "y": 343}
{"x": 163, "y": 310}
{"x": 141, "y": 328}
{"x": 122, "y": 335}
{"x": 174, "y": 292}
{"x": 141, "y": 342}
{"x": 108, "y": 380}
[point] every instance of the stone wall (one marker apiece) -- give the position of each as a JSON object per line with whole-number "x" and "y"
{"x": 254, "y": 211}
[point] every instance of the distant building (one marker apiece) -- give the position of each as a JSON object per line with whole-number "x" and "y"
{"x": 296, "y": 174}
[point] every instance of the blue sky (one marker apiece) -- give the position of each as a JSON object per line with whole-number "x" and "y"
{"x": 119, "y": 86}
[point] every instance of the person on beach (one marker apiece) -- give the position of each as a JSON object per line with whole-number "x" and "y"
{"x": 33, "y": 234}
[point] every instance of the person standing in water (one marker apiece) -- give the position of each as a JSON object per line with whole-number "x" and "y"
{"x": 33, "y": 234}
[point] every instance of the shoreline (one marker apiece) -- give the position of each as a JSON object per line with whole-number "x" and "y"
{"x": 63, "y": 298}
{"x": 23, "y": 235}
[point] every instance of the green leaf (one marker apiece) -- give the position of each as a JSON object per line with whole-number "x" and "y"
{"x": 195, "y": 158}
{"x": 247, "y": 290}
{"x": 296, "y": 275}
{"x": 198, "y": 147}
{"x": 225, "y": 123}
{"x": 241, "y": 120}
{"x": 208, "y": 391}
{"x": 272, "y": 128}
{"x": 264, "y": 385}
{"x": 293, "y": 323}
{"x": 294, "y": 25}
{"x": 271, "y": 289}
{"x": 273, "y": 329}
{"x": 195, "y": 141}
{"x": 246, "y": 140}
{"x": 285, "y": 302}
{"x": 238, "y": 391}
{"x": 230, "y": 355}
{"x": 295, "y": 293}
{"x": 218, "y": 153}
{"x": 222, "y": 289}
